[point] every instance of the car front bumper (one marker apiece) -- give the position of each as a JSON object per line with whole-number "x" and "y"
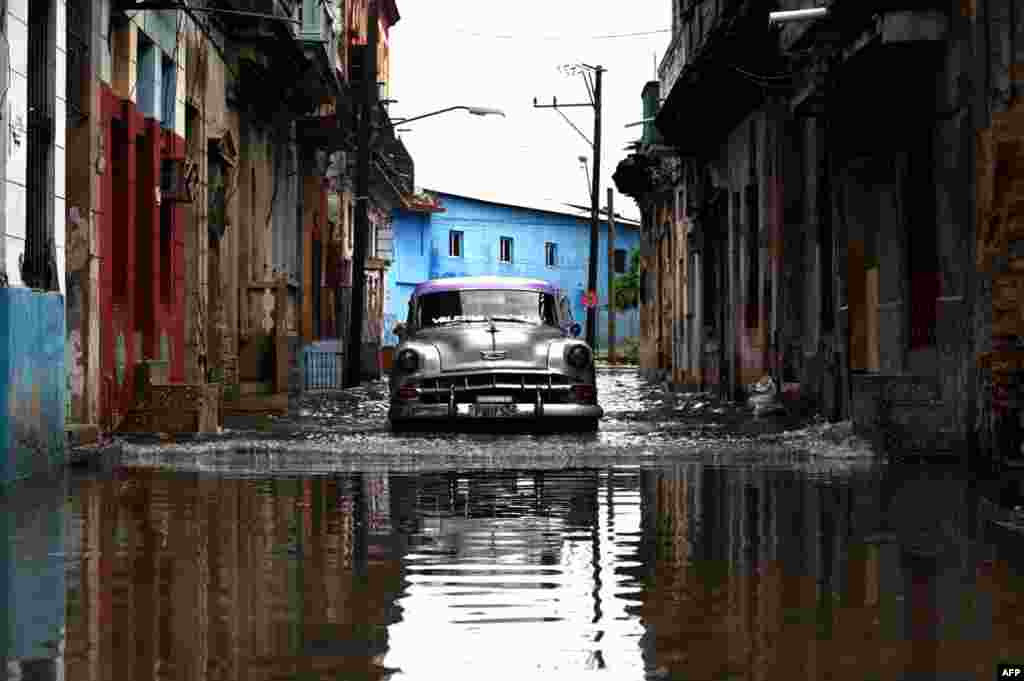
{"x": 413, "y": 411}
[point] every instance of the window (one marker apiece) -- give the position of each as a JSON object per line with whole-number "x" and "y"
{"x": 146, "y": 70}
{"x": 551, "y": 254}
{"x": 351, "y": 224}
{"x": 39, "y": 268}
{"x": 479, "y": 305}
{"x": 455, "y": 244}
{"x": 505, "y": 249}
{"x": 168, "y": 94}
{"x": 564, "y": 309}
{"x": 620, "y": 261}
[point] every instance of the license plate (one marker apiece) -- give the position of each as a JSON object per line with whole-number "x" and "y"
{"x": 493, "y": 411}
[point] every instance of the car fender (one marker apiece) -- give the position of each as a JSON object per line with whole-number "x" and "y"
{"x": 556, "y": 358}
{"x": 429, "y": 354}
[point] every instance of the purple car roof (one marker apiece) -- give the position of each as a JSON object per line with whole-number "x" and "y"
{"x": 463, "y": 283}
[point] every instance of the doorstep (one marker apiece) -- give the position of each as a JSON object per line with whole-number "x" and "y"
{"x": 81, "y": 434}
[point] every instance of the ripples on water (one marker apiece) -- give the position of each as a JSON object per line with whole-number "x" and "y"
{"x": 349, "y": 431}
{"x": 688, "y": 571}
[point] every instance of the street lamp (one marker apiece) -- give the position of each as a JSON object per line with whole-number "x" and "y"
{"x": 586, "y": 168}
{"x": 640, "y": 122}
{"x": 797, "y": 15}
{"x": 475, "y": 110}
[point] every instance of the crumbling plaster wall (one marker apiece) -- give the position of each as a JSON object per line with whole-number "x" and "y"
{"x": 997, "y": 68}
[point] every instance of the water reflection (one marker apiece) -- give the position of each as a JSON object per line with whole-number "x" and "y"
{"x": 691, "y": 571}
{"x": 32, "y": 583}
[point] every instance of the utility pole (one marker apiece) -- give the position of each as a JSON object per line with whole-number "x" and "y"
{"x": 611, "y": 277}
{"x": 595, "y": 197}
{"x": 354, "y": 369}
{"x": 594, "y": 89}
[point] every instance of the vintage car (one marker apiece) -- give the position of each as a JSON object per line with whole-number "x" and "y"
{"x": 486, "y": 348}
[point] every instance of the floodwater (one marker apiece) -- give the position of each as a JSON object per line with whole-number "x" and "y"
{"x": 694, "y": 571}
{"x": 712, "y": 564}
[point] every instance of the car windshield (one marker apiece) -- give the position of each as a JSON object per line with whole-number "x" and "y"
{"x": 478, "y": 305}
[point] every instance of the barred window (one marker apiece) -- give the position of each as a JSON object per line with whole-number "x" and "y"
{"x": 620, "y": 261}
{"x": 455, "y": 244}
{"x": 505, "y": 249}
{"x": 551, "y": 254}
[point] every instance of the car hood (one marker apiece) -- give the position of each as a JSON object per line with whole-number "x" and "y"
{"x": 479, "y": 346}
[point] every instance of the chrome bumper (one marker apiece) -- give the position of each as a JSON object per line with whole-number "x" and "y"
{"x": 469, "y": 412}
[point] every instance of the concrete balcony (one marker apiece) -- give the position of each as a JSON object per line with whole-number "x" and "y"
{"x": 321, "y": 25}
{"x": 672, "y": 63}
{"x": 279, "y": 16}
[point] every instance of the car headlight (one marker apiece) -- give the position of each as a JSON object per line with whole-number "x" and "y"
{"x": 408, "y": 360}
{"x": 578, "y": 357}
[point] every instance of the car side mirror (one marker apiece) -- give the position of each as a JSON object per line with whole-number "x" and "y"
{"x": 575, "y": 329}
{"x": 399, "y": 329}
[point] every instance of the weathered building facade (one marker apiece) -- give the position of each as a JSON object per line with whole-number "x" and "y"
{"x": 830, "y": 214}
{"x": 211, "y": 225}
{"x": 35, "y": 116}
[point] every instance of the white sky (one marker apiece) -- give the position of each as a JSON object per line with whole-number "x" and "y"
{"x": 448, "y": 52}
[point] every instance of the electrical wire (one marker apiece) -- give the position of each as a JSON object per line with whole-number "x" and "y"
{"x": 609, "y": 36}
{"x": 769, "y": 77}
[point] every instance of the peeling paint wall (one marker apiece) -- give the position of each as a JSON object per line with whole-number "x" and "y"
{"x": 32, "y": 330}
{"x": 32, "y": 382}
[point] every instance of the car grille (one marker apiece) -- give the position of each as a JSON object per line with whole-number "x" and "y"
{"x": 521, "y": 387}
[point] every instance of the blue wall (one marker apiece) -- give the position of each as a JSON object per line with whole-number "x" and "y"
{"x": 32, "y": 382}
{"x": 421, "y": 253}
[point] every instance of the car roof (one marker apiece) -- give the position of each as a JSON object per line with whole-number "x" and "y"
{"x": 469, "y": 283}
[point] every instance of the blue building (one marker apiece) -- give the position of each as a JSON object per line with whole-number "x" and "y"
{"x": 468, "y": 236}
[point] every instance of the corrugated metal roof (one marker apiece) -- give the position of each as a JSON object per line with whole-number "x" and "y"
{"x": 563, "y": 208}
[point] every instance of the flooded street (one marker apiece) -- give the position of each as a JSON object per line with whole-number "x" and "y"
{"x": 684, "y": 554}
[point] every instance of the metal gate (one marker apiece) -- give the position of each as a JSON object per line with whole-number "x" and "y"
{"x": 323, "y": 370}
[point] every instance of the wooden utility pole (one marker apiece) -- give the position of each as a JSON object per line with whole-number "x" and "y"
{"x": 611, "y": 277}
{"x": 595, "y": 197}
{"x": 594, "y": 89}
{"x": 354, "y": 372}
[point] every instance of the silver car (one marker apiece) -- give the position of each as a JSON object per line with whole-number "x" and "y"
{"x": 491, "y": 348}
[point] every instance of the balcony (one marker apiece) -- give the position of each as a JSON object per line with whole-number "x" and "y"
{"x": 278, "y": 22}
{"x": 320, "y": 29}
{"x": 717, "y": 42}
{"x": 318, "y": 35}
{"x": 672, "y": 63}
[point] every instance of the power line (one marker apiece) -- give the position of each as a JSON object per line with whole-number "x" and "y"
{"x": 608, "y": 36}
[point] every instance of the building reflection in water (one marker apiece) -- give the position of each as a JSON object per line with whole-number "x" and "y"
{"x": 685, "y": 572}
{"x": 32, "y": 581}
{"x": 779, "y": 575}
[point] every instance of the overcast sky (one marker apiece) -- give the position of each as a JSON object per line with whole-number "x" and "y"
{"x": 502, "y": 55}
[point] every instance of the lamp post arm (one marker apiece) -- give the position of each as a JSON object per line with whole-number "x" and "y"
{"x": 403, "y": 121}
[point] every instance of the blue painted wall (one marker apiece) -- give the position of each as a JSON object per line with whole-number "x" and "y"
{"x": 421, "y": 253}
{"x": 32, "y": 382}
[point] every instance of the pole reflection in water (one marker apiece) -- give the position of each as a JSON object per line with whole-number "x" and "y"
{"x": 691, "y": 571}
